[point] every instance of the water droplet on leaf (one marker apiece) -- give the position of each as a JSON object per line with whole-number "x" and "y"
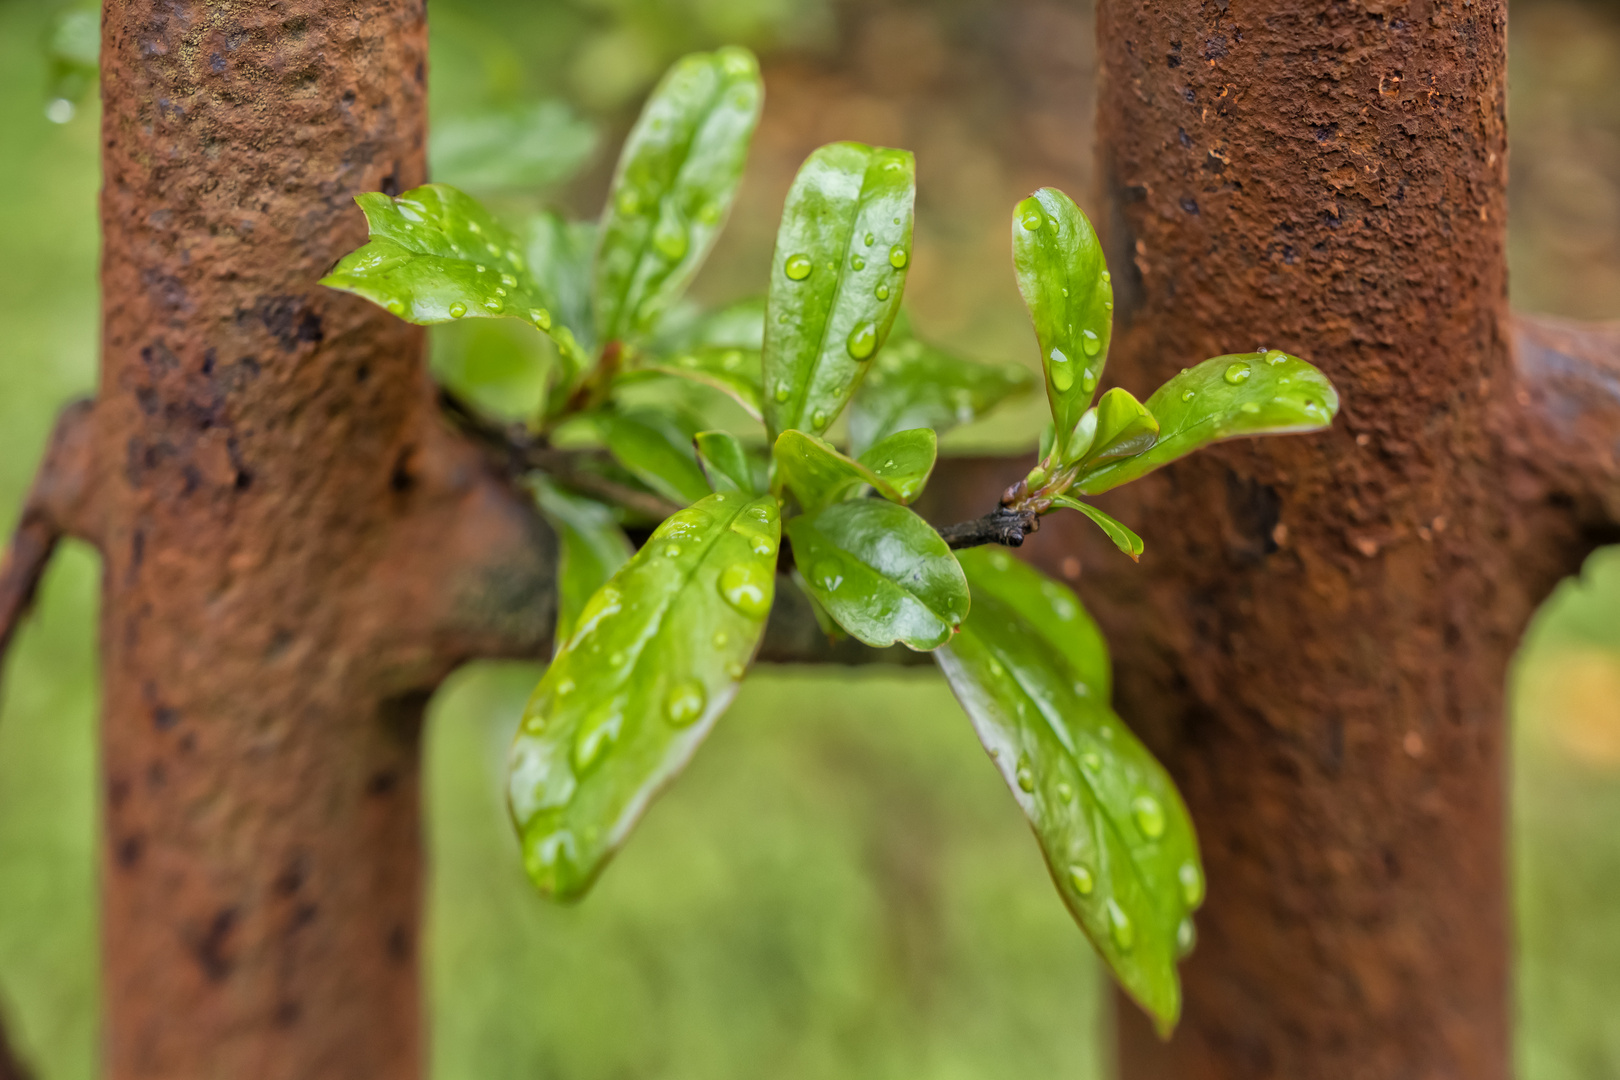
{"x": 746, "y": 587}
{"x": 1119, "y": 926}
{"x": 1081, "y": 879}
{"x": 684, "y": 703}
{"x": 1061, "y": 371}
{"x": 857, "y": 263}
{"x": 1237, "y": 372}
{"x": 798, "y": 267}
{"x": 1186, "y": 937}
{"x": 1149, "y": 816}
{"x": 628, "y": 202}
{"x": 881, "y": 292}
{"x": 1090, "y": 342}
{"x": 862, "y": 340}
{"x": 898, "y": 257}
{"x": 1029, "y": 215}
{"x": 1192, "y": 884}
{"x": 781, "y": 393}
{"x": 828, "y": 574}
{"x": 1026, "y": 779}
{"x": 457, "y": 310}
{"x": 595, "y": 736}
{"x": 1188, "y": 395}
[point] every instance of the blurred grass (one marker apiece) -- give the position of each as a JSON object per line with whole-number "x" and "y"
{"x": 838, "y": 887}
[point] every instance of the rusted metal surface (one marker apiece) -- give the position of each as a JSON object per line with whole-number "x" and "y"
{"x": 1318, "y": 639}
{"x": 296, "y": 548}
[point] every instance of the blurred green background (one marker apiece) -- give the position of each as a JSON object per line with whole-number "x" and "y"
{"x": 839, "y": 887}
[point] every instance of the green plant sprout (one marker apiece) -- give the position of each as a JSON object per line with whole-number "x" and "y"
{"x": 652, "y": 643}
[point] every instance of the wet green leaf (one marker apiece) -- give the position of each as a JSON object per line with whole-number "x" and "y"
{"x": 841, "y": 256}
{"x": 673, "y": 187}
{"x": 1268, "y": 393}
{"x": 1117, "y": 838}
{"x": 725, "y": 461}
{"x": 881, "y": 572}
{"x": 593, "y": 549}
{"x": 738, "y": 325}
{"x": 733, "y": 372}
{"x": 1059, "y": 264}
{"x": 653, "y": 661}
{"x": 819, "y": 474}
{"x": 559, "y": 254}
{"x": 1119, "y": 426}
{"x": 436, "y": 255}
{"x": 657, "y": 450}
{"x": 914, "y": 385}
{"x": 514, "y": 149}
{"x": 1123, "y": 538}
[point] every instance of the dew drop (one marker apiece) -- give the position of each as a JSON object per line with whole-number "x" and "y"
{"x": 1275, "y": 357}
{"x": 746, "y": 587}
{"x": 781, "y": 393}
{"x": 457, "y": 310}
{"x": 684, "y": 703}
{"x": 1237, "y": 372}
{"x": 996, "y": 669}
{"x": 1091, "y": 760}
{"x": 1088, "y": 382}
{"x": 1061, "y": 373}
{"x": 1107, "y": 277}
{"x": 818, "y": 419}
{"x": 595, "y": 736}
{"x": 828, "y": 574}
{"x": 1186, "y": 937}
{"x": 1149, "y": 816}
{"x": 862, "y": 340}
{"x": 1119, "y": 926}
{"x": 672, "y": 551}
{"x": 857, "y": 263}
{"x": 1065, "y": 792}
{"x": 735, "y": 669}
{"x": 396, "y": 307}
{"x": 1026, "y": 779}
{"x": 1081, "y": 879}
{"x": 869, "y": 240}
{"x": 881, "y": 292}
{"x": 898, "y": 257}
{"x": 541, "y": 318}
{"x": 709, "y": 214}
{"x": 565, "y": 688}
{"x": 628, "y": 201}
{"x": 671, "y": 240}
{"x": 1249, "y": 407}
{"x": 492, "y": 304}
{"x": 1030, "y": 216}
{"x": 1188, "y": 395}
{"x": 720, "y": 639}
{"x": 481, "y": 268}
{"x": 1192, "y": 884}
{"x": 798, "y": 267}
{"x": 509, "y": 281}
{"x": 1090, "y": 342}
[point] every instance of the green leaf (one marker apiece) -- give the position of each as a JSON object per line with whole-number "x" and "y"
{"x": 436, "y": 255}
{"x": 593, "y": 549}
{"x": 1269, "y": 393}
{"x": 841, "y": 255}
{"x": 560, "y": 253}
{"x": 1116, "y": 835}
{"x": 1123, "y": 538}
{"x": 819, "y": 475}
{"x": 902, "y": 463}
{"x": 914, "y": 385}
{"x": 653, "y": 661}
{"x": 1121, "y": 427}
{"x": 734, "y": 372}
{"x": 1061, "y": 272}
{"x": 881, "y": 572}
{"x": 738, "y": 325}
{"x": 656, "y": 449}
{"x": 725, "y": 461}
{"x": 673, "y": 187}
{"x": 527, "y": 147}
